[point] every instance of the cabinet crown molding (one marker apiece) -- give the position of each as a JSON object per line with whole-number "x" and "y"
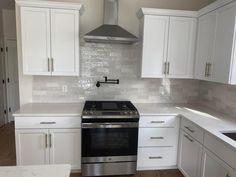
{"x": 183, "y": 13}
{"x": 166, "y": 12}
{"x": 51, "y": 4}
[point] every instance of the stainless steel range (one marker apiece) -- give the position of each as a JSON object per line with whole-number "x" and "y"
{"x": 109, "y": 138}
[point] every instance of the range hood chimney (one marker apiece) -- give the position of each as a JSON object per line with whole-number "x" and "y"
{"x": 110, "y": 31}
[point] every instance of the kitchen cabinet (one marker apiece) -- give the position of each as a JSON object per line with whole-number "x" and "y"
{"x": 158, "y": 142}
{"x": 181, "y": 43}
{"x": 48, "y": 140}
{"x": 66, "y": 147}
{"x": 155, "y": 36}
{"x": 49, "y": 39}
{"x": 224, "y": 68}
{"x": 190, "y": 153}
{"x": 212, "y": 166}
{"x": 205, "y": 45}
{"x": 167, "y": 46}
{"x": 32, "y": 147}
{"x": 35, "y": 34}
{"x": 215, "y": 56}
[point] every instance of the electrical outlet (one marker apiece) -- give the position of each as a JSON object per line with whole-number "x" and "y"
{"x": 64, "y": 88}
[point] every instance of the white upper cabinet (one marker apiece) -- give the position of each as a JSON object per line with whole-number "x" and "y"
{"x": 35, "y": 35}
{"x": 49, "y": 38}
{"x": 65, "y": 42}
{"x": 215, "y": 56}
{"x": 180, "y": 58}
{"x": 167, "y": 43}
{"x": 224, "y": 58}
{"x": 155, "y": 36}
{"x": 205, "y": 45}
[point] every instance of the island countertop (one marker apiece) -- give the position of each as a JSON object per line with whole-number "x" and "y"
{"x": 36, "y": 171}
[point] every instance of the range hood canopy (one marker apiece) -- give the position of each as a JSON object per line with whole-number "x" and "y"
{"x": 110, "y": 31}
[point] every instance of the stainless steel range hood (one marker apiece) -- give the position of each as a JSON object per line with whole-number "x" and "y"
{"x": 110, "y": 32}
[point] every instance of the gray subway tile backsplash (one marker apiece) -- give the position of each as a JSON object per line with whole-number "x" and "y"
{"x": 118, "y": 62}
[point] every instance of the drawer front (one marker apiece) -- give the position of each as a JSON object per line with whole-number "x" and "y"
{"x": 193, "y": 130}
{"x": 47, "y": 122}
{"x": 158, "y": 121}
{"x": 157, "y": 157}
{"x": 219, "y": 148}
{"x": 158, "y": 137}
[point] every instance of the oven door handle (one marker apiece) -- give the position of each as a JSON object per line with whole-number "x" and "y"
{"x": 109, "y": 125}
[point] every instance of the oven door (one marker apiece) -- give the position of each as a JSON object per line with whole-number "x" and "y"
{"x": 109, "y": 142}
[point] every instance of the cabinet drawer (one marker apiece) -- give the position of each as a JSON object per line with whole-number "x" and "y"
{"x": 47, "y": 122}
{"x": 222, "y": 150}
{"x": 159, "y": 121}
{"x": 158, "y": 137}
{"x": 192, "y": 129}
{"x": 157, "y": 157}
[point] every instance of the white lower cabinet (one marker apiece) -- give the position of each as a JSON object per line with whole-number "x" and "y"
{"x": 157, "y": 157}
{"x": 190, "y": 152}
{"x": 31, "y": 147}
{"x": 158, "y": 142}
{"x": 212, "y": 166}
{"x": 49, "y": 146}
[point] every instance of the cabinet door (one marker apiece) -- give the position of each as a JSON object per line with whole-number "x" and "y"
{"x": 35, "y": 36}
{"x": 31, "y": 147}
{"x": 190, "y": 153}
{"x": 225, "y": 33}
{"x": 182, "y": 34}
{"x": 65, "y": 147}
{"x": 65, "y": 42}
{"x": 212, "y": 166}
{"x": 154, "y": 46}
{"x": 205, "y": 44}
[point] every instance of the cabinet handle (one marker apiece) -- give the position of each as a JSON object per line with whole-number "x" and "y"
{"x": 47, "y": 123}
{"x": 192, "y": 131}
{"x": 52, "y": 67}
{"x": 168, "y": 68}
{"x": 206, "y": 69}
{"x": 158, "y": 157}
{"x": 50, "y": 140}
{"x": 186, "y": 136}
{"x": 209, "y": 70}
{"x": 165, "y": 67}
{"x": 48, "y": 64}
{"x": 157, "y": 122}
{"x": 156, "y": 138}
{"x": 46, "y": 141}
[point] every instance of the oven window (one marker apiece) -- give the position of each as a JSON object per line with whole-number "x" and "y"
{"x": 109, "y": 142}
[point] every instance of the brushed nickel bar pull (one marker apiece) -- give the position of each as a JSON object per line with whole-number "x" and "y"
{"x": 206, "y": 69}
{"x": 164, "y": 67}
{"x": 157, "y": 138}
{"x": 46, "y": 123}
{"x": 158, "y": 157}
{"x": 46, "y": 141}
{"x": 157, "y": 122}
{"x": 48, "y": 64}
{"x": 189, "y": 129}
{"x": 186, "y": 136}
{"x": 168, "y": 68}
{"x": 50, "y": 140}
{"x": 52, "y": 67}
{"x": 209, "y": 70}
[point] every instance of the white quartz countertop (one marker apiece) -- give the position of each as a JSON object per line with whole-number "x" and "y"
{"x": 36, "y": 171}
{"x": 50, "y": 110}
{"x": 209, "y": 120}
